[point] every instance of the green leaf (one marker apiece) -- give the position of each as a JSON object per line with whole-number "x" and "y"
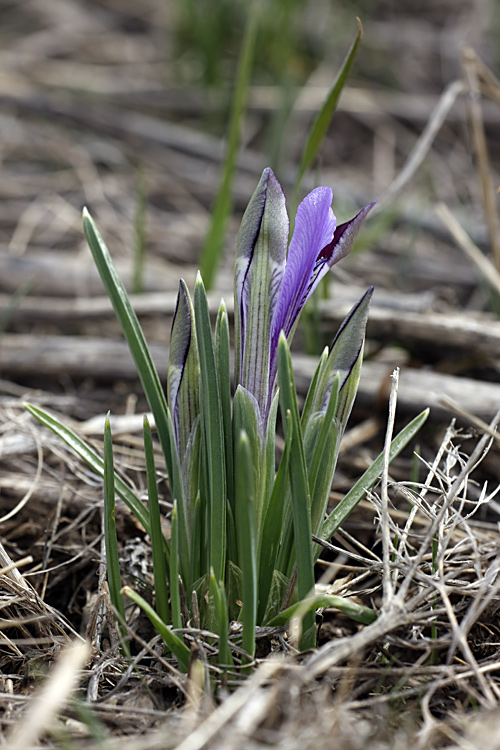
{"x": 277, "y": 592}
{"x": 319, "y": 601}
{"x": 324, "y": 116}
{"x": 223, "y": 362}
{"x": 197, "y": 536}
{"x": 246, "y": 418}
{"x": 312, "y": 398}
{"x": 110, "y": 538}
{"x": 133, "y": 334}
{"x": 158, "y": 552}
{"x": 218, "y": 599}
{"x": 299, "y": 487}
{"x": 245, "y": 530}
{"x": 324, "y": 458}
{"x": 212, "y": 426}
{"x": 344, "y": 361}
{"x": 175, "y": 601}
{"x": 214, "y": 243}
{"x": 371, "y": 475}
{"x": 272, "y": 528}
{"x": 170, "y": 639}
{"x": 92, "y": 459}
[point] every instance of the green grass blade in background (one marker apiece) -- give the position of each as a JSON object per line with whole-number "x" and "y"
{"x": 133, "y": 334}
{"x": 300, "y": 490}
{"x": 170, "y": 639}
{"x": 158, "y": 552}
{"x": 111, "y": 543}
{"x": 212, "y": 427}
{"x": 324, "y": 116}
{"x": 371, "y": 475}
{"x": 93, "y": 460}
{"x": 214, "y": 243}
{"x": 139, "y": 233}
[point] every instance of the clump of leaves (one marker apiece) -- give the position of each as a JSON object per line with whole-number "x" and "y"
{"x": 241, "y": 544}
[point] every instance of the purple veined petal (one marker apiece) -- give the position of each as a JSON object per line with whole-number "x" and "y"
{"x": 336, "y": 249}
{"x": 314, "y": 228}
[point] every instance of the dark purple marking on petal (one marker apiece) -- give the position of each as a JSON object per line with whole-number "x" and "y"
{"x": 344, "y": 236}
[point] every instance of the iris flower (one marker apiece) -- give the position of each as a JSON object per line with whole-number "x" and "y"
{"x": 271, "y": 285}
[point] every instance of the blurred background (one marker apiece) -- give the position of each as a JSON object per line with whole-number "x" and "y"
{"x": 124, "y": 107}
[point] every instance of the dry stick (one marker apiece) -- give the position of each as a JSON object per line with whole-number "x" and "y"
{"x": 479, "y": 140}
{"x": 491, "y": 84}
{"x": 485, "y": 266}
{"x": 424, "y": 142}
{"x": 386, "y": 539}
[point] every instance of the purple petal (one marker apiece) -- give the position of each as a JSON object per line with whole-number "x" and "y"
{"x": 336, "y": 249}
{"x": 314, "y": 229}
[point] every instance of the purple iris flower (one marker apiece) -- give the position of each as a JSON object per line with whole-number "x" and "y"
{"x": 271, "y": 287}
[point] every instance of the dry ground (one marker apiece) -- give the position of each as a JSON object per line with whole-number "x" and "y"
{"x": 99, "y": 98}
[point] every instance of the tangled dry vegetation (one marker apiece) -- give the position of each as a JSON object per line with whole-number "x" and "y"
{"x": 90, "y": 93}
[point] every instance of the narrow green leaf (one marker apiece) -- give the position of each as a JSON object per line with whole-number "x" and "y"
{"x": 324, "y": 116}
{"x": 312, "y": 398}
{"x": 218, "y": 597}
{"x": 175, "y": 601}
{"x": 110, "y": 538}
{"x": 177, "y": 492}
{"x": 246, "y": 418}
{"x": 299, "y": 488}
{"x": 170, "y": 639}
{"x": 212, "y": 426}
{"x": 245, "y": 529}
{"x": 272, "y": 527}
{"x": 92, "y": 459}
{"x": 139, "y": 232}
{"x": 214, "y": 243}
{"x": 223, "y": 362}
{"x": 277, "y": 592}
{"x": 196, "y": 541}
{"x": 323, "y": 459}
{"x": 133, "y": 333}
{"x": 371, "y": 475}
{"x": 319, "y": 601}
{"x": 158, "y": 552}
{"x": 268, "y": 471}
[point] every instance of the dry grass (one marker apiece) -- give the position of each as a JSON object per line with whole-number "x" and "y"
{"x": 89, "y": 93}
